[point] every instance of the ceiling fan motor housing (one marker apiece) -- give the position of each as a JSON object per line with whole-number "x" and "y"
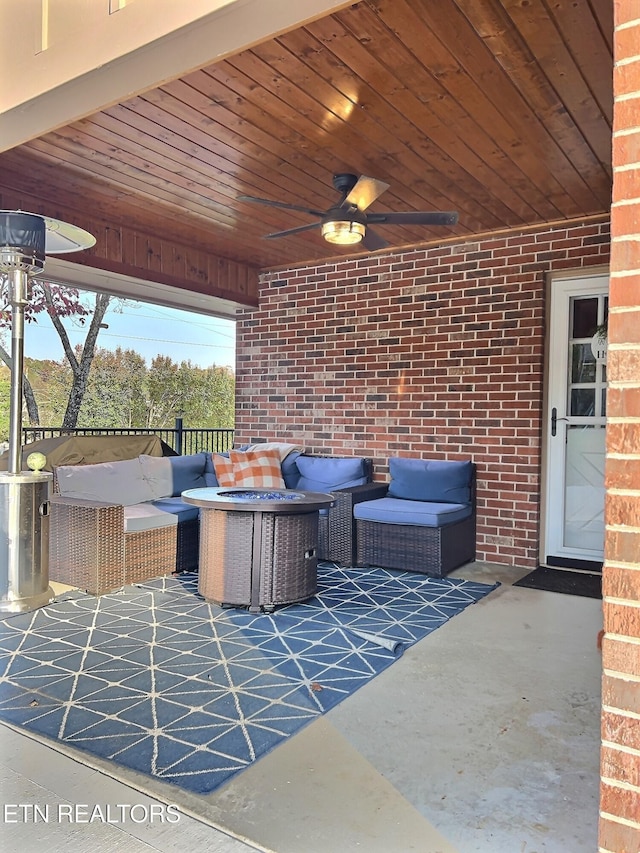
{"x": 344, "y": 182}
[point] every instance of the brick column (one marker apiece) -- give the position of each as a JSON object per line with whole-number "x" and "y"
{"x": 620, "y": 762}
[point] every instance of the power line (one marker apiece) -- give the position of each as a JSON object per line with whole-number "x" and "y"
{"x": 155, "y": 340}
{"x": 165, "y": 341}
{"x": 180, "y": 320}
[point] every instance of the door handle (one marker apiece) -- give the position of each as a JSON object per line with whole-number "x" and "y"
{"x": 554, "y": 420}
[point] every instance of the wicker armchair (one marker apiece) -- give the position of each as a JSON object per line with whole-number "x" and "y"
{"x": 434, "y": 548}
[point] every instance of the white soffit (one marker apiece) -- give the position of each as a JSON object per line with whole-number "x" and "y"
{"x": 88, "y": 278}
{"x": 108, "y": 52}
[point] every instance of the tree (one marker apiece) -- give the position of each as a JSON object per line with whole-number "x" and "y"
{"x": 123, "y": 391}
{"x": 170, "y": 389}
{"x": 51, "y": 381}
{"x": 115, "y": 390}
{"x": 81, "y": 366}
{"x": 27, "y": 391}
{"x": 201, "y": 396}
{"x": 59, "y": 301}
{"x": 215, "y": 404}
{"x": 100, "y": 388}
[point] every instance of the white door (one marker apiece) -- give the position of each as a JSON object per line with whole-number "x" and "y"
{"x": 575, "y": 429}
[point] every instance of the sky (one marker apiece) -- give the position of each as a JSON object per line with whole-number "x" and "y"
{"x": 148, "y": 329}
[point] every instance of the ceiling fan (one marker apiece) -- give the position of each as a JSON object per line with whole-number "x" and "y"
{"x": 347, "y": 222}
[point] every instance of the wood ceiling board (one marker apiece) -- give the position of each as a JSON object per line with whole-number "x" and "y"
{"x": 499, "y": 110}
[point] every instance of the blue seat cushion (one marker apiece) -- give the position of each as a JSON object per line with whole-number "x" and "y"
{"x": 176, "y": 506}
{"x": 420, "y": 513}
{"x": 439, "y": 480}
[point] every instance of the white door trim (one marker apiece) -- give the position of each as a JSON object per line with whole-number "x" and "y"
{"x": 559, "y": 292}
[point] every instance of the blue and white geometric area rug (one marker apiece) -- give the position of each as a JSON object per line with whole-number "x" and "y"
{"x": 156, "y": 679}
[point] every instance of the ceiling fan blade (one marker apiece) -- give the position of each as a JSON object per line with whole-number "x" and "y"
{"x": 425, "y": 217}
{"x": 281, "y": 204}
{"x": 365, "y": 192}
{"x": 373, "y": 241}
{"x": 289, "y": 231}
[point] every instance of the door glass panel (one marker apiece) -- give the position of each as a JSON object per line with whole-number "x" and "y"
{"x": 583, "y": 363}
{"x": 587, "y": 373}
{"x": 584, "y": 495}
{"x": 585, "y": 317}
{"x": 582, "y": 402}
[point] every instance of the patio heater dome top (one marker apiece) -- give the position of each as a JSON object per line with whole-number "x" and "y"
{"x": 41, "y": 235}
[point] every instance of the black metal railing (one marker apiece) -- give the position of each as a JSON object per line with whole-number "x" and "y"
{"x": 184, "y": 440}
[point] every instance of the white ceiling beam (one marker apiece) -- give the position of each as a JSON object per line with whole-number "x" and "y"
{"x": 62, "y": 60}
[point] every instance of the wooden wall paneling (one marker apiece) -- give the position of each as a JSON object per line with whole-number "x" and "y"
{"x": 129, "y": 246}
{"x": 170, "y": 136}
{"x": 113, "y": 243}
{"x": 120, "y": 161}
{"x": 150, "y": 257}
{"x": 247, "y": 158}
{"x": 558, "y": 41}
{"x": 175, "y": 262}
{"x": 603, "y": 16}
{"x": 113, "y": 204}
{"x": 421, "y": 165}
{"x": 266, "y": 141}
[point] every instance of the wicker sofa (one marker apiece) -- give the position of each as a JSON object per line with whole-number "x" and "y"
{"x": 124, "y": 522}
{"x": 424, "y": 522}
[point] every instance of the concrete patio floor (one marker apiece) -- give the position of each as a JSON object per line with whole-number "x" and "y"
{"x": 484, "y": 736}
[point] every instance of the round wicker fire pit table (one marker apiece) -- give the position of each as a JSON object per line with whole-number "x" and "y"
{"x": 258, "y": 547}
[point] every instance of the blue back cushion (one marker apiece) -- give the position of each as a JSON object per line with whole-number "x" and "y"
{"x": 290, "y": 471}
{"x": 187, "y": 472}
{"x": 326, "y": 473}
{"x": 430, "y": 480}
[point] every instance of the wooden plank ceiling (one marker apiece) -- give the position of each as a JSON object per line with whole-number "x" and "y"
{"x": 500, "y": 109}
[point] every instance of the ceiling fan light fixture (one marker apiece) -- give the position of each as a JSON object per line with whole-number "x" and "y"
{"x": 343, "y": 232}
{"x": 345, "y": 223}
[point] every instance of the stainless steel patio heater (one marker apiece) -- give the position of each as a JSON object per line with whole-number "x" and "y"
{"x": 25, "y": 238}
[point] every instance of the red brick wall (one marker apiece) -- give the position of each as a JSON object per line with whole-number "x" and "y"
{"x": 620, "y": 763}
{"x": 436, "y": 352}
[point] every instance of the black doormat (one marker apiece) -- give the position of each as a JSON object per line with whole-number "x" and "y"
{"x": 561, "y": 580}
